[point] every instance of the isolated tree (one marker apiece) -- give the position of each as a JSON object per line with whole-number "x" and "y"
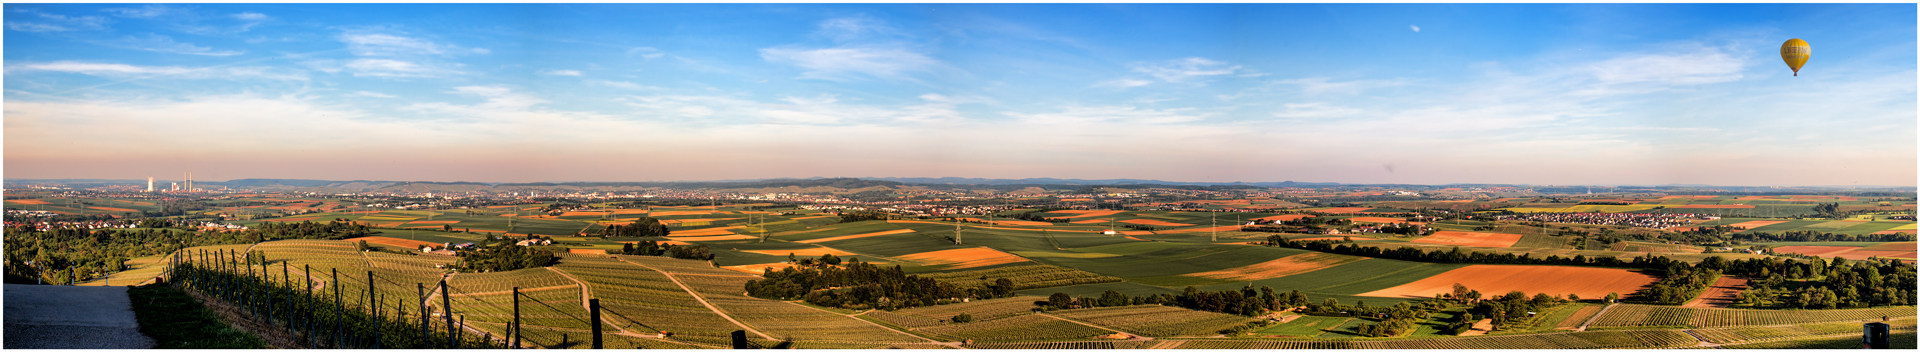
{"x": 1060, "y": 300}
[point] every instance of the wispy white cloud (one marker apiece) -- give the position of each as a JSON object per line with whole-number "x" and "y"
{"x": 625, "y": 85}
{"x": 1416, "y": 29}
{"x": 149, "y": 11}
{"x": 56, "y": 23}
{"x": 849, "y": 63}
{"x": 1702, "y": 65}
{"x": 1123, "y": 83}
{"x": 1182, "y": 70}
{"x": 251, "y": 16}
{"x": 857, "y": 28}
{"x": 1320, "y": 85}
{"x": 1109, "y": 114}
{"x": 128, "y": 71}
{"x": 646, "y": 52}
{"x": 574, "y": 73}
{"x": 373, "y": 94}
{"x": 165, "y": 44}
{"x": 383, "y": 44}
{"x": 388, "y": 68}
{"x": 1315, "y": 110}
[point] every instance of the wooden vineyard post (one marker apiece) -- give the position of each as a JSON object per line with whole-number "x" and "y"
{"x": 514, "y": 340}
{"x": 593, "y": 317}
{"x": 308, "y": 320}
{"x": 339, "y": 306}
{"x": 446, "y": 310}
{"x": 287, "y": 275}
{"x": 426, "y": 335}
{"x": 375, "y": 300}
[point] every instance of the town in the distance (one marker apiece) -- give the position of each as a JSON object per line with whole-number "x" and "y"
{"x": 855, "y": 263}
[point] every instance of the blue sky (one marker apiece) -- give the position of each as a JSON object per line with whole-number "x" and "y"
{"x": 1358, "y": 93}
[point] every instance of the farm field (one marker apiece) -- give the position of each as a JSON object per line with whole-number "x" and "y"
{"x": 700, "y": 302}
{"x": 1552, "y": 280}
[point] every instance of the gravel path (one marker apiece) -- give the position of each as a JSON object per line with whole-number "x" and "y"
{"x": 71, "y": 317}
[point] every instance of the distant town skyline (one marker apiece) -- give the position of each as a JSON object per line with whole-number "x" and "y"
{"x": 1602, "y": 94}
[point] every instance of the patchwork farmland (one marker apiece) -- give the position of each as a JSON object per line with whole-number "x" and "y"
{"x": 1129, "y": 278}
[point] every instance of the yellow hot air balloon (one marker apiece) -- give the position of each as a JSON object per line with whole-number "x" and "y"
{"x": 1795, "y": 51}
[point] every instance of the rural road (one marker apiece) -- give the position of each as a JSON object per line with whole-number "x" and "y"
{"x": 71, "y": 317}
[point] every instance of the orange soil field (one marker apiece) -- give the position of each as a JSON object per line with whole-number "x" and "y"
{"x": 580, "y": 213}
{"x": 1757, "y": 223}
{"x": 963, "y": 258}
{"x": 916, "y": 222}
{"x": 1287, "y": 217}
{"x": 373, "y": 212}
{"x": 809, "y": 252}
{"x": 1153, "y": 222}
{"x": 1335, "y": 239}
{"x": 1092, "y": 221}
{"x": 716, "y": 238}
{"x": 1021, "y": 223}
{"x": 1716, "y": 206}
{"x": 380, "y": 224}
{"x": 671, "y": 213}
{"x": 1474, "y": 239}
{"x": 758, "y": 269}
{"x": 1087, "y": 213}
{"x": 28, "y": 201}
{"x": 1815, "y": 250}
{"x": 1893, "y": 246}
{"x": 425, "y": 222}
{"x": 1031, "y": 229}
{"x": 716, "y": 231}
{"x": 111, "y": 209}
{"x": 848, "y": 237}
{"x": 683, "y": 221}
{"x": 1531, "y": 279}
{"x": 1720, "y": 295}
{"x": 1383, "y": 220}
{"x": 1131, "y": 233}
{"x": 1855, "y": 253}
{"x": 396, "y": 242}
{"x": 1342, "y": 210}
{"x": 499, "y": 206}
{"x": 629, "y": 211}
{"x": 1231, "y": 228}
{"x": 585, "y": 251}
{"x": 1288, "y": 265}
{"x": 292, "y": 219}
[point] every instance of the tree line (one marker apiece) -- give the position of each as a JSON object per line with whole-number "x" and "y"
{"x": 858, "y": 285}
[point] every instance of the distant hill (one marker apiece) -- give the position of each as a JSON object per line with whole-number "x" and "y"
{"x": 1081, "y": 182}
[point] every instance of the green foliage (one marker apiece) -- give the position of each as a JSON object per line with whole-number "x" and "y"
{"x": 505, "y": 256}
{"x": 857, "y": 285}
{"x": 963, "y": 318}
{"x": 644, "y": 226}
{"x": 175, "y": 320}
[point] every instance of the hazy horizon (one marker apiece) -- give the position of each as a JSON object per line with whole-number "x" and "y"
{"x": 1542, "y": 94}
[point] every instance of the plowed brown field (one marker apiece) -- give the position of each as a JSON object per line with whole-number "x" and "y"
{"x": 963, "y": 258}
{"x": 1288, "y": 265}
{"x": 1530, "y": 279}
{"x": 1473, "y": 239}
{"x": 1720, "y": 295}
{"x": 1153, "y": 222}
{"x": 848, "y": 237}
{"x": 805, "y": 253}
